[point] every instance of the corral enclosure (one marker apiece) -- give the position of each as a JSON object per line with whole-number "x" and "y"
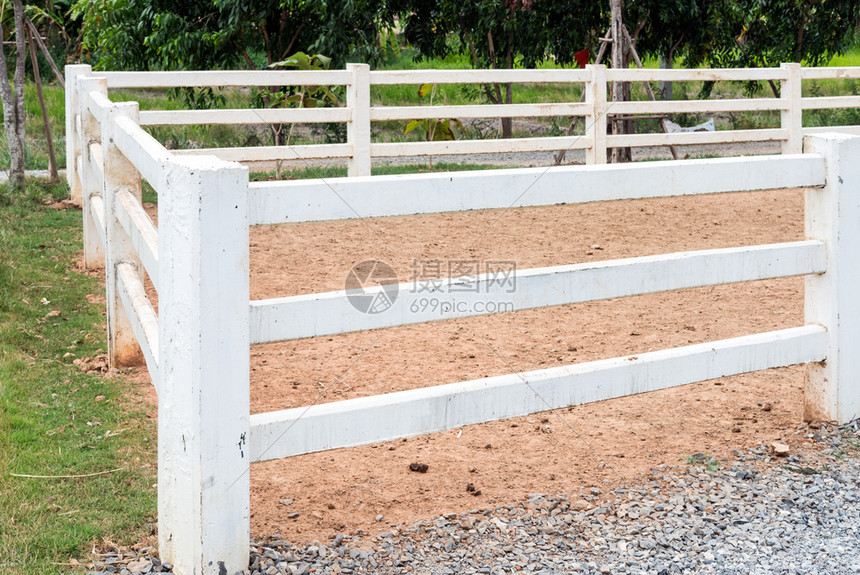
{"x": 199, "y": 358}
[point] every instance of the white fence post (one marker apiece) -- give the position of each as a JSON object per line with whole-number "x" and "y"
{"x": 119, "y": 174}
{"x": 833, "y": 216}
{"x": 595, "y": 129}
{"x": 73, "y": 138}
{"x": 204, "y": 366}
{"x": 90, "y": 131}
{"x": 791, "y": 118}
{"x": 358, "y": 128}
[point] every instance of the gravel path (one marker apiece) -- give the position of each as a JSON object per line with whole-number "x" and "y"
{"x": 763, "y": 514}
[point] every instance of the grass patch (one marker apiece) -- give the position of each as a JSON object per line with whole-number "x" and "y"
{"x": 710, "y": 462}
{"x": 54, "y": 419}
{"x": 325, "y": 172}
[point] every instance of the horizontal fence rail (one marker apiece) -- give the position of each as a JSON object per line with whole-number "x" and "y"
{"x": 217, "y": 79}
{"x": 332, "y": 313}
{"x": 409, "y": 194}
{"x": 142, "y": 316}
{"x": 390, "y": 416}
{"x": 197, "y": 345}
{"x": 359, "y": 113}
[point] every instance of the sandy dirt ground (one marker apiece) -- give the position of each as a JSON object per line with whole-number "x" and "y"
{"x": 314, "y": 497}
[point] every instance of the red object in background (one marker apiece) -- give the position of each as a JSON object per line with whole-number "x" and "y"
{"x": 582, "y": 58}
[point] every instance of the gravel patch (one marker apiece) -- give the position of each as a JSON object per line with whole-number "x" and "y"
{"x": 761, "y": 514}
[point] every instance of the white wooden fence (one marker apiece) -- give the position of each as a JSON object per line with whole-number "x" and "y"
{"x": 358, "y": 113}
{"x": 197, "y": 347}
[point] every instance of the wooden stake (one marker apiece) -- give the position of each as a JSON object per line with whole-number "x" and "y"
{"x": 647, "y": 86}
{"x": 52, "y": 158}
{"x": 45, "y": 52}
{"x": 618, "y": 88}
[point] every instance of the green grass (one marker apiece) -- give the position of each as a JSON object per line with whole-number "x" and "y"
{"x": 54, "y": 419}
{"x": 341, "y": 172}
{"x": 37, "y": 149}
{"x": 710, "y": 462}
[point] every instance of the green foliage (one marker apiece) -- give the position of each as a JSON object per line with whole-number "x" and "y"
{"x": 757, "y": 33}
{"x": 435, "y": 130}
{"x": 226, "y": 34}
{"x": 302, "y": 96}
{"x": 500, "y": 34}
{"x": 710, "y": 462}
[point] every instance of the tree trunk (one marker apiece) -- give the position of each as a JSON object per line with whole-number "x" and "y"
{"x": 508, "y": 123}
{"x": 620, "y": 90}
{"x": 666, "y": 87}
{"x": 13, "y": 101}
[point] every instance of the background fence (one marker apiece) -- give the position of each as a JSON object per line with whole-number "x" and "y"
{"x": 358, "y": 114}
{"x": 197, "y": 346}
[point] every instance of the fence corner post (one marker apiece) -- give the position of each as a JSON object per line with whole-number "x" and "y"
{"x": 358, "y": 128}
{"x": 73, "y": 138}
{"x": 120, "y": 175}
{"x": 791, "y": 117}
{"x": 833, "y": 216}
{"x": 204, "y": 366}
{"x": 88, "y": 131}
{"x": 595, "y": 129}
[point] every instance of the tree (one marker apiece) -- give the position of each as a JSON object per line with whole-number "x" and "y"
{"x": 13, "y": 99}
{"x": 500, "y": 34}
{"x": 757, "y": 33}
{"x": 223, "y": 34}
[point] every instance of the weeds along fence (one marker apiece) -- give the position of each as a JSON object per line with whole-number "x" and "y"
{"x": 197, "y": 345}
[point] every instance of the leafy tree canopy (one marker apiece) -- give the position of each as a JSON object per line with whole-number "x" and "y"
{"x": 753, "y": 33}
{"x": 222, "y": 34}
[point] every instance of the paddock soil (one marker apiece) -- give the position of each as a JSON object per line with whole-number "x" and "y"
{"x": 605, "y": 444}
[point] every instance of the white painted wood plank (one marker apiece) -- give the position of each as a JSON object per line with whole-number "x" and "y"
{"x": 596, "y": 121}
{"x": 203, "y": 407}
{"x": 384, "y": 77}
{"x": 141, "y": 315}
{"x": 408, "y": 413}
{"x": 97, "y": 163}
{"x": 254, "y": 116}
{"x": 119, "y": 173}
{"x": 97, "y": 208}
{"x": 396, "y": 149}
{"x": 791, "y": 117}
{"x": 73, "y": 132}
{"x": 89, "y": 130}
{"x": 829, "y": 102}
{"x": 333, "y": 313}
{"x": 145, "y": 152}
{"x": 219, "y": 78}
{"x": 378, "y": 113}
{"x": 853, "y": 130}
{"x": 141, "y": 231}
{"x": 407, "y": 194}
{"x": 696, "y": 106}
{"x": 358, "y": 132}
{"x": 691, "y": 138}
{"x": 828, "y": 73}
{"x": 272, "y": 153}
{"x": 98, "y": 104}
{"x": 833, "y": 216}
{"x": 693, "y": 75}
